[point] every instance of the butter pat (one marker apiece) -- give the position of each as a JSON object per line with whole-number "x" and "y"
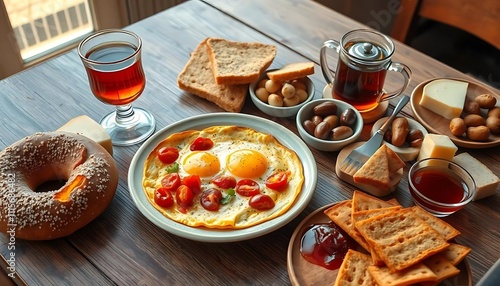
{"x": 87, "y": 127}
{"x": 486, "y": 182}
{"x": 437, "y": 146}
{"x": 445, "y": 97}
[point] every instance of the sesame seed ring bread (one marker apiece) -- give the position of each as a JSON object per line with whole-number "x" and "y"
{"x": 87, "y": 168}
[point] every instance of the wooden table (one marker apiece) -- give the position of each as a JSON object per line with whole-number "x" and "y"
{"x": 121, "y": 247}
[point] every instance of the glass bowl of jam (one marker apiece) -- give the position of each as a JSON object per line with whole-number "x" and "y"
{"x": 440, "y": 186}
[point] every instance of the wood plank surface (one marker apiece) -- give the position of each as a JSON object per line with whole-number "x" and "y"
{"x": 121, "y": 247}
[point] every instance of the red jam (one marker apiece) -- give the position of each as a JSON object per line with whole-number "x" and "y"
{"x": 325, "y": 245}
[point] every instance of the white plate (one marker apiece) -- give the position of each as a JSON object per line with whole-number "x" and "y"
{"x": 282, "y": 134}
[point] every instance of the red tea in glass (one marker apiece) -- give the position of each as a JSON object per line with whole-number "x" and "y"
{"x": 363, "y": 62}
{"x": 117, "y": 84}
{"x": 360, "y": 88}
{"x": 112, "y": 60}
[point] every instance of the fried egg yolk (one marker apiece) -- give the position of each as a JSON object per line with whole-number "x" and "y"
{"x": 246, "y": 163}
{"x": 201, "y": 163}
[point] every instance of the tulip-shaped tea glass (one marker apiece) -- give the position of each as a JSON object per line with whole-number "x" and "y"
{"x": 112, "y": 59}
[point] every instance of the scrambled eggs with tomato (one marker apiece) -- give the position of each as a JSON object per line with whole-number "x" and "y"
{"x": 222, "y": 177}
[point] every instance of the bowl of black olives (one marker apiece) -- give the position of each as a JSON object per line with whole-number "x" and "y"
{"x": 329, "y": 124}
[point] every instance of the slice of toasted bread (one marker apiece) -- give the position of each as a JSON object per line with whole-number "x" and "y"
{"x": 238, "y": 62}
{"x": 197, "y": 78}
{"x": 291, "y": 71}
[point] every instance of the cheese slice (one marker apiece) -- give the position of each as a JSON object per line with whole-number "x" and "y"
{"x": 87, "y": 127}
{"x": 437, "y": 146}
{"x": 486, "y": 182}
{"x": 445, "y": 97}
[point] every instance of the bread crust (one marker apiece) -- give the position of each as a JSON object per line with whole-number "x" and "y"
{"x": 197, "y": 78}
{"x": 291, "y": 72}
{"x": 238, "y": 62}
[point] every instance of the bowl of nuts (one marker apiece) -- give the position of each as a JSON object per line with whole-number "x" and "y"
{"x": 404, "y": 136}
{"x": 328, "y": 124}
{"x": 281, "y": 98}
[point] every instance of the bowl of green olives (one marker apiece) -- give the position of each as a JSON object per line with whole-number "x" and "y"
{"x": 281, "y": 99}
{"x": 329, "y": 124}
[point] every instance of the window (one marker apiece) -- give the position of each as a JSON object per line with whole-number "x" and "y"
{"x": 39, "y": 29}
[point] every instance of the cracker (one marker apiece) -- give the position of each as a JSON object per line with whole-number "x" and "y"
{"x": 415, "y": 274}
{"x": 455, "y": 253}
{"x": 197, "y": 78}
{"x": 401, "y": 238}
{"x": 238, "y": 62}
{"x": 366, "y": 214}
{"x": 340, "y": 214}
{"x": 354, "y": 270}
{"x": 291, "y": 71}
{"x": 362, "y": 201}
{"x": 441, "y": 267}
{"x": 446, "y": 230}
{"x": 375, "y": 171}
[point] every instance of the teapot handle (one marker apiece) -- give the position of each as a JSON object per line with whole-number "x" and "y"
{"x": 332, "y": 44}
{"x": 406, "y": 72}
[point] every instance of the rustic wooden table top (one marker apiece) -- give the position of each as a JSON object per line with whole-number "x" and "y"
{"x": 122, "y": 247}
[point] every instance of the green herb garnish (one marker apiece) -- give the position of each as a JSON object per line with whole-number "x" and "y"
{"x": 226, "y": 199}
{"x": 174, "y": 168}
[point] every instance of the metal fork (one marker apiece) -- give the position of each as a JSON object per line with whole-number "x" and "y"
{"x": 360, "y": 155}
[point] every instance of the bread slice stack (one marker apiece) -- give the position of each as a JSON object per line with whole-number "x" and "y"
{"x": 220, "y": 70}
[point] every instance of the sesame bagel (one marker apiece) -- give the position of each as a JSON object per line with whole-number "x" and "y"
{"x": 90, "y": 177}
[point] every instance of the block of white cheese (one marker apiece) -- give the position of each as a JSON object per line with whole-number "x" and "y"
{"x": 445, "y": 97}
{"x": 87, "y": 127}
{"x": 437, "y": 146}
{"x": 486, "y": 182}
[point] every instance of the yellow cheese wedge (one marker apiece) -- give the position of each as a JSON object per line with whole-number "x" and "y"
{"x": 437, "y": 146}
{"x": 445, "y": 97}
{"x": 486, "y": 182}
{"x": 85, "y": 126}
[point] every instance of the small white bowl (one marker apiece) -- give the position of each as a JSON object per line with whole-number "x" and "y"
{"x": 306, "y": 112}
{"x": 276, "y": 110}
{"x": 406, "y": 153}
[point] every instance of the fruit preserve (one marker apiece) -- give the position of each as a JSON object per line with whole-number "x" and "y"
{"x": 325, "y": 245}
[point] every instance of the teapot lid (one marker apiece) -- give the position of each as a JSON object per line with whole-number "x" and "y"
{"x": 366, "y": 51}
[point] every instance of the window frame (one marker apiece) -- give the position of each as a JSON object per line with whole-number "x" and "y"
{"x": 106, "y": 14}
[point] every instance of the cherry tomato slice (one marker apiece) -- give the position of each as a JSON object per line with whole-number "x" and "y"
{"x": 261, "y": 202}
{"x": 168, "y": 155}
{"x": 247, "y": 188}
{"x": 193, "y": 182}
{"x": 210, "y": 199}
{"x": 184, "y": 195}
{"x": 277, "y": 181}
{"x": 224, "y": 182}
{"x": 163, "y": 198}
{"x": 201, "y": 144}
{"x": 171, "y": 182}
